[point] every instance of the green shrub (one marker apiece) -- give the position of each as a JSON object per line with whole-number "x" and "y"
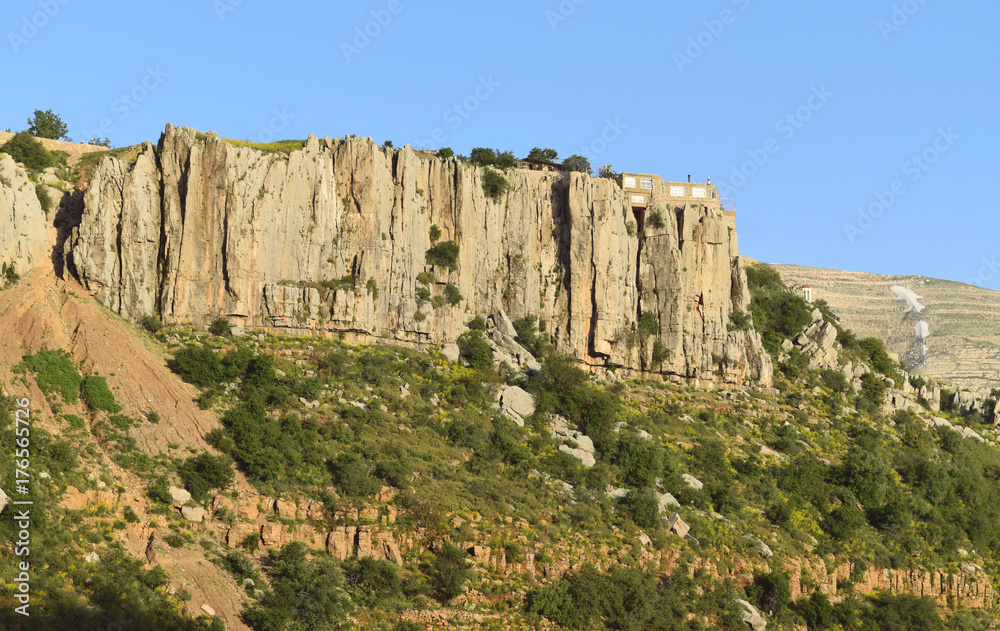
{"x": 655, "y": 220}
{"x": 771, "y": 591}
{"x": 205, "y": 472}
{"x": 476, "y": 324}
{"x": 25, "y": 149}
{"x": 444, "y": 254}
{"x": 778, "y": 313}
{"x": 495, "y": 185}
{"x": 151, "y": 323}
{"x": 445, "y": 152}
{"x": 97, "y": 395}
{"x": 643, "y": 506}
{"x": 75, "y": 422}
{"x": 426, "y": 278}
{"x": 353, "y": 476}
{"x": 43, "y": 198}
{"x": 553, "y": 601}
{"x": 528, "y": 336}
{"x": 197, "y": 365}
{"x": 130, "y": 515}
{"x": 47, "y": 124}
{"x": 55, "y": 372}
{"x": 8, "y": 274}
{"x": 649, "y": 324}
{"x": 452, "y": 294}
{"x": 577, "y": 163}
{"x": 475, "y": 350}
{"x": 543, "y": 156}
{"x": 305, "y": 593}
{"x": 158, "y": 490}
{"x": 835, "y": 380}
{"x": 638, "y": 460}
{"x": 221, "y": 327}
{"x": 372, "y": 288}
{"x": 450, "y": 572}
{"x": 435, "y": 233}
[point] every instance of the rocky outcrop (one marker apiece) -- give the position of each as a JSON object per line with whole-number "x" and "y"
{"x": 196, "y": 228}
{"x": 23, "y": 226}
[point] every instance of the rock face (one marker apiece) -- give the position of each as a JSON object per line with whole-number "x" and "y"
{"x": 196, "y": 228}
{"x": 23, "y": 226}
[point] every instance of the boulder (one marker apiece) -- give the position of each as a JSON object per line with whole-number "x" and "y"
{"x": 586, "y": 458}
{"x": 677, "y": 525}
{"x": 451, "y": 352}
{"x": 194, "y": 514}
{"x": 92, "y": 558}
{"x": 180, "y": 497}
{"x": 752, "y": 616}
{"x": 668, "y": 501}
{"x": 693, "y": 482}
{"x": 517, "y": 404}
{"x": 4, "y": 500}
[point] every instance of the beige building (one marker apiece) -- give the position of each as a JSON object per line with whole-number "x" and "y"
{"x": 643, "y": 188}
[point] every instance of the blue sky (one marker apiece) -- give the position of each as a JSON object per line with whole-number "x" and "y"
{"x": 805, "y": 111}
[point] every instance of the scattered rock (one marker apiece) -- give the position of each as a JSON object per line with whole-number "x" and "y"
{"x": 693, "y": 482}
{"x": 180, "y": 497}
{"x": 586, "y": 458}
{"x": 752, "y": 616}
{"x": 668, "y": 501}
{"x": 677, "y": 525}
{"x": 207, "y": 609}
{"x": 517, "y": 404}
{"x": 644, "y": 539}
{"x": 761, "y": 546}
{"x": 92, "y": 558}
{"x": 4, "y": 500}
{"x": 193, "y": 513}
{"x": 450, "y": 352}
{"x": 616, "y": 494}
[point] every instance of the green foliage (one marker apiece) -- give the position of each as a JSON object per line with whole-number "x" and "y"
{"x": 372, "y": 288}
{"x": 577, "y": 163}
{"x": 529, "y": 337}
{"x": 563, "y": 388}
{"x": 495, "y": 185}
{"x": 305, "y": 593}
{"x": 649, "y": 324}
{"x": 221, "y": 327}
{"x": 655, "y": 220}
{"x": 205, "y": 472}
{"x": 277, "y": 147}
{"x": 444, "y": 254}
{"x": 740, "y": 321}
{"x": 197, "y": 365}
{"x": 43, "y": 198}
{"x": 643, "y": 506}
{"x": 100, "y": 142}
{"x": 486, "y": 157}
{"x": 778, "y": 314}
{"x": 55, "y": 372}
{"x": 835, "y": 380}
{"x": 435, "y": 233}
{"x": 353, "y": 476}
{"x": 904, "y": 612}
{"x": 47, "y": 125}
{"x": 542, "y": 156}
{"x": 449, "y": 572}
{"x": 158, "y": 490}
{"x": 817, "y": 611}
{"x": 25, "y": 149}
{"x": 97, "y": 395}
{"x": 452, "y": 294}
{"x": 426, "y": 278}
{"x": 877, "y": 357}
{"x": 474, "y": 349}
{"x": 8, "y": 274}
{"x": 476, "y": 324}
{"x": 445, "y": 152}
{"x": 771, "y": 591}
{"x": 151, "y": 323}
{"x": 873, "y": 389}
{"x": 552, "y": 601}
{"x": 639, "y": 461}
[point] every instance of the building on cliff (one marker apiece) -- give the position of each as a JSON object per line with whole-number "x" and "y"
{"x": 643, "y": 189}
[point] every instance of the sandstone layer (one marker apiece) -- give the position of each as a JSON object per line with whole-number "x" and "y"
{"x": 196, "y": 228}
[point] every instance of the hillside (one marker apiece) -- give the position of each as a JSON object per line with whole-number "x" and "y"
{"x": 261, "y": 397}
{"x": 964, "y": 320}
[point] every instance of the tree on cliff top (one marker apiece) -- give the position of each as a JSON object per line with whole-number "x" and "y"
{"x": 24, "y": 148}
{"x": 47, "y": 124}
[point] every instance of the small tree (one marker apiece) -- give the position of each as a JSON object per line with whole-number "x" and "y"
{"x": 100, "y": 142}
{"x": 444, "y": 254}
{"x": 495, "y": 185}
{"x": 47, "y": 125}
{"x": 577, "y": 163}
{"x": 26, "y": 149}
{"x": 545, "y": 156}
{"x": 445, "y": 152}
{"x": 221, "y": 327}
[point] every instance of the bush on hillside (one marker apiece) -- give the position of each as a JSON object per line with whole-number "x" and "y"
{"x": 25, "y": 149}
{"x": 778, "y": 313}
{"x": 205, "y": 472}
{"x": 47, "y": 124}
{"x": 495, "y": 185}
{"x": 55, "y": 372}
{"x": 444, "y": 254}
{"x": 97, "y": 395}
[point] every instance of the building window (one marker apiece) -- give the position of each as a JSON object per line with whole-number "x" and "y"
{"x": 699, "y": 192}
{"x": 732, "y": 223}
{"x": 629, "y": 181}
{"x": 677, "y": 191}
{"x": 638, "y": 199}
{"x": 646, "y": 183}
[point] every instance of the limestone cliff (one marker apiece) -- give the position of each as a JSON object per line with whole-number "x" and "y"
{"x": 197, "y": 227}
{"x": 23, "y": 238}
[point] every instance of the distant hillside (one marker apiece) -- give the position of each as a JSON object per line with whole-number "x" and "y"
{"x": 964, "y": 342}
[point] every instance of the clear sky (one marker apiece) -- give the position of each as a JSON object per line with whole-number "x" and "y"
{"x": 804, "y": 112}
